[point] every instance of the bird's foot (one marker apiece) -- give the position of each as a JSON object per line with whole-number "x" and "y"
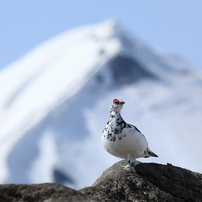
{"x": 130, "y": 167}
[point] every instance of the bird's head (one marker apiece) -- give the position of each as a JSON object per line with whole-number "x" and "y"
{"x": 117, "y": 105}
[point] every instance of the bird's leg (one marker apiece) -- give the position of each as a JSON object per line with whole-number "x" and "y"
{"x": 130, "y": 166}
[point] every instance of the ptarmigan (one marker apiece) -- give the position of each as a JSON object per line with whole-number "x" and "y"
{"x": 124, "y": 140}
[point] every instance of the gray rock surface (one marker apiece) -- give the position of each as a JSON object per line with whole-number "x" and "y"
{"x": 47, "y": 192}
{"x": 151, "y": 182}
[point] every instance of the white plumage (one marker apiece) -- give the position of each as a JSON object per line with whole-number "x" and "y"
{"x": 124, "y": 140}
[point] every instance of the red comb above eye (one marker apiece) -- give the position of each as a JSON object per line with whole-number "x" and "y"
{"x": 115, "y": 100}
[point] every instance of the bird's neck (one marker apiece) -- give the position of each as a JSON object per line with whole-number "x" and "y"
{"x": 115, "y": 115}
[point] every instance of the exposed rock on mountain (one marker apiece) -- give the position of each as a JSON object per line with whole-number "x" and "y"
{"x": 126, "y": 70}
{"x": 151, "y": 182}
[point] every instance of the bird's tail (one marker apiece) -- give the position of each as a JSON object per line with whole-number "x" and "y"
{"x": 150, "y": 153}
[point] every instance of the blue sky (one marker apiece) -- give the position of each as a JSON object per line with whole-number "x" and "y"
{"x": 173, "y": 25}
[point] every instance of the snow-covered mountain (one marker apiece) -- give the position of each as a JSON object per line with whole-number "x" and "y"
{"x": 55, "y": 103}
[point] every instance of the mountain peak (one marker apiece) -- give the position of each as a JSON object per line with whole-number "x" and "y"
{"x": 112, "y": 22}
{"x": 108, "y": 29}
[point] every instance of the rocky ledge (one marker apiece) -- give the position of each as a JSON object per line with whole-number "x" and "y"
{"x": 151, "y": 182}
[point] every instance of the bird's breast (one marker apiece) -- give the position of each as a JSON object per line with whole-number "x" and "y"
{"x": 127, "y": 142}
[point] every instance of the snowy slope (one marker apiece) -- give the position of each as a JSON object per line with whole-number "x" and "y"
{"x": 55, "y": 100}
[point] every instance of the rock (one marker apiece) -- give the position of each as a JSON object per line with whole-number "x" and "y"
{"x": 47, "y": 192}
{"x": 151, "y": 182}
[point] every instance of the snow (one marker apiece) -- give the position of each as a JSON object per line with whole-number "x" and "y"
{"x": 40, "y": 169}
{"x": 55, "y": 100}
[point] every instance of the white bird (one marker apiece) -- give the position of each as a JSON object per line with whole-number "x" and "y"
{"x": 124, "y": 140}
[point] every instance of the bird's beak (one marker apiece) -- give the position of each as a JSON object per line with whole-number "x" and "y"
{"x": 121, "y": 102}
